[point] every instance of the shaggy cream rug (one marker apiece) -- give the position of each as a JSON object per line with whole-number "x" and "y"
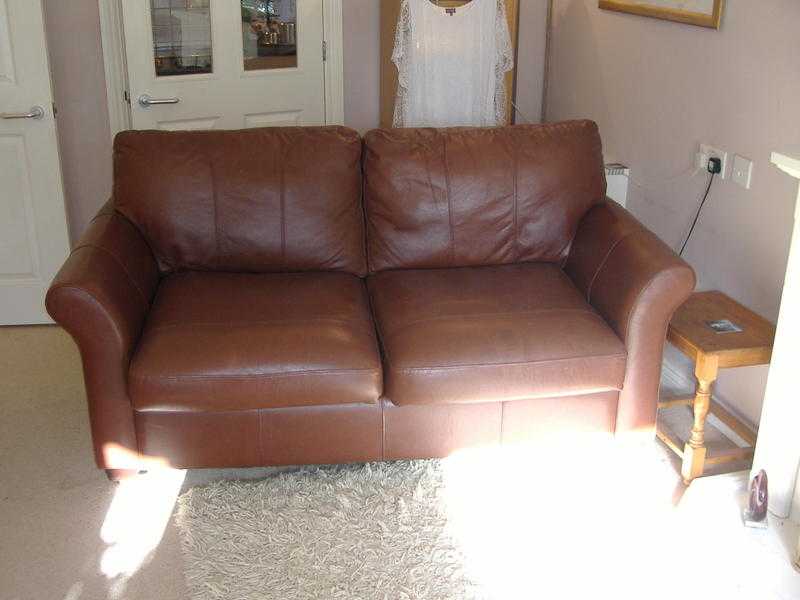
{"x": 337, "y": 532}
{"x": 472, "y": 527}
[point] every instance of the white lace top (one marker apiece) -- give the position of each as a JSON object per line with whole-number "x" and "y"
{"x": 451, "y": 64}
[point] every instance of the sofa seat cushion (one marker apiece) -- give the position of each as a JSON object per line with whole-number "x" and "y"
{"x": 498, "y": 333}
{"x": 229, "y": 341}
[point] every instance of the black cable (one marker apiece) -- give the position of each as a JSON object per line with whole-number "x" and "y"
{"x": 697, "y": 215}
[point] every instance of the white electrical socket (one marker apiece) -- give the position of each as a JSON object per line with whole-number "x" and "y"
{"x": 708, "y": 152}
{"x": 742, "y": 171}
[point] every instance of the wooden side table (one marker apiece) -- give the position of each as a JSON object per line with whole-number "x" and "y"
{"x": 701, "y": 330}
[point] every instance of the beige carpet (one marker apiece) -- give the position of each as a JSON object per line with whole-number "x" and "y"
{"x": 69, "y": 534}
{"x": 53, "y": 500}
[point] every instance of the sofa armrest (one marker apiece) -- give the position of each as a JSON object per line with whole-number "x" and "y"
{"x": 636, "y": 282}
{"x": 101, "y": 297}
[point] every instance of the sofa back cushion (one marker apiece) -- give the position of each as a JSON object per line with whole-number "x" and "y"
{"x": 468, "y": 197}
{"x": 271, "y": 199}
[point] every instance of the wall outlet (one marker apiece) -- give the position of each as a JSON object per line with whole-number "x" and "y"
{"x": 707, "y": 152}
{"x": 742, "y": 171}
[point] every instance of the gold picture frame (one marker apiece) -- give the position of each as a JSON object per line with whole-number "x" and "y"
{"x": 671, "y": 10}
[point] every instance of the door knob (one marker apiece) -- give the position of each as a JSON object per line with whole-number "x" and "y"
{"x": 37, "y": 112}
{"x": 145, "y": 100}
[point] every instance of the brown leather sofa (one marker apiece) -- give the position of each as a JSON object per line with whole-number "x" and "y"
{"x": 236, "y": 304}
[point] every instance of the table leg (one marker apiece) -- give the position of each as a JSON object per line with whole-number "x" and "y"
{"x": 694, "y": 453}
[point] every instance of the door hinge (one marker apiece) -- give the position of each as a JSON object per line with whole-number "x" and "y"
{"x": 324, "y": 50}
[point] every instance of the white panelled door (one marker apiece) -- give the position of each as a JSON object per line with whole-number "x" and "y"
{"x": 33, "y": 228}
{"x": 224, "y": 64}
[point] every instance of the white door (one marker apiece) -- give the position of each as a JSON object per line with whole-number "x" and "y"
{"x": 33, "y": 228}
{"x": 224, "y": 64}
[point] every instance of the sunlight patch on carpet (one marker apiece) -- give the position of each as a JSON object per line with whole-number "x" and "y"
{"x": 136, "y": 520}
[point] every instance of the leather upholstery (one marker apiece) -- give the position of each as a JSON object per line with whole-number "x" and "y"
{"x": 222, "y": 322}
{"x": 268, "y": 437}
{"x": 271, "y": 199}
{"x": 364, "y": 432}
{"x": 469, "y": 197}
{"x": 240, "y": 341}
{"x": 439, "y": 430}
{"x": 481, "y": 334}
{"x": 636, "y": 282}
{"x": 101, "y": 296}
{"x": 542, "y": 419}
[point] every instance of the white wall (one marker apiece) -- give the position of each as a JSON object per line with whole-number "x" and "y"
{"x": 657, "y": 89}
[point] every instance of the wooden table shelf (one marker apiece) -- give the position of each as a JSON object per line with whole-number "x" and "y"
{"x": 691, "y": 332}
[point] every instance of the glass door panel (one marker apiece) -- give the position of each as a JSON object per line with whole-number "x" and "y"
{"x": 181, "y": 37}
{"x": 269, "y": 34}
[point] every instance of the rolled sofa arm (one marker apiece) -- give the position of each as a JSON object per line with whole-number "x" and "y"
{"x": 101, "y": 297}
{"x": 636, "y": 282}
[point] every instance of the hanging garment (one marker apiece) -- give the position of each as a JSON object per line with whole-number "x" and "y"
{"x": 451, "y": 64}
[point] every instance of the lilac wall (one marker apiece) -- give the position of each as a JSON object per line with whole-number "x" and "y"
{"x": 79, "y": 89}
{"x": 362, "y": 73}
{"x": 658, "y": 89}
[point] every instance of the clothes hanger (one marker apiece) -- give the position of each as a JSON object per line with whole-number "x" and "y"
{"x": 459, "y": 3}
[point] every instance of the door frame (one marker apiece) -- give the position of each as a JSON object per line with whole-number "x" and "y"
{"x": 112, "y": 34}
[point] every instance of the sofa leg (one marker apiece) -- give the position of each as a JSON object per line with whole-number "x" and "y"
{"x": 117, "y": 475}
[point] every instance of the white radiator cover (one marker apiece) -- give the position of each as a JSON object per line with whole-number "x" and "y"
{"x": 618, "y": 177}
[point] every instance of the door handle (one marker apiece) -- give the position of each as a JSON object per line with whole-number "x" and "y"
{"x": 37, "y": 112}
{"x": 145, "y": 100}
